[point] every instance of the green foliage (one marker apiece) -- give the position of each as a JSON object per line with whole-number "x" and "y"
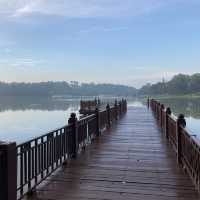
{"x": 179, "y": 85}
{"x": 64, "y": 88}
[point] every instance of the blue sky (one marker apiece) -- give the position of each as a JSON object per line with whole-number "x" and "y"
{"x": 114, "y": 41}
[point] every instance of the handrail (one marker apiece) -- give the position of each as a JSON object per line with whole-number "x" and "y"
{"x": 186, "y": 146}
{"x": 39, "y": 157}
{"x": 41, "y": 136}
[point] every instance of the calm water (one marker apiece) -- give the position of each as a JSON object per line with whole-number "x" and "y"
{"x": 190, "y": 107}
{"x": 22, "y": 119}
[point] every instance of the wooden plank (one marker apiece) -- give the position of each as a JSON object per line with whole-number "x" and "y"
{"x": 131, "y": 161}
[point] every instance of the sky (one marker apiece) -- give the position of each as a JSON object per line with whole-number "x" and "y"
{"x": 129, "y": 42}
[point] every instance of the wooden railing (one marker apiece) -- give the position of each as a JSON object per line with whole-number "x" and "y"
{"x": 39, "y": 157}
{"x": 89, "y": 106}
{"x": 186, "y": 145}
{"x": 33, "y": 161}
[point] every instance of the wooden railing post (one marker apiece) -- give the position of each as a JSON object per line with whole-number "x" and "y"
{"x": 98, "y": 132}
{"x": 125, "y": 101}
{"x": 120, "y": 108}
{"x": 167, "y": 114}
{"x": 180, "y": 123}
{"x": 116, "y": 110}
{"x": 148, "y": 102}
{"x": 123, "y": 106}
{"x": 108, "y": 115}
{"x": 73, "y": 122}
{"x": 151, "y": 105}
{"x": 8, "y": 171}
{"x": 162, "y": 108}
{"x": 158, "y": 111}
{"x": 154, "y": 106}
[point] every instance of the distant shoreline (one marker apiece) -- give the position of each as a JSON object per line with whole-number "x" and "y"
{"x": 183, "y": 96}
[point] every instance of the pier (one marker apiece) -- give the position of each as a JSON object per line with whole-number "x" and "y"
{"x": 118, "y": 153}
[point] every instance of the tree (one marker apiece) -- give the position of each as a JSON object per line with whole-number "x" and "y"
{"x": 179, "y": 84}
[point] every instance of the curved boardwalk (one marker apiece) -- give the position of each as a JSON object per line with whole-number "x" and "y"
{"x": 132, "y": 161}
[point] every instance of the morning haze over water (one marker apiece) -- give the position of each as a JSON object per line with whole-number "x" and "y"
{"x": 23, "y": 118}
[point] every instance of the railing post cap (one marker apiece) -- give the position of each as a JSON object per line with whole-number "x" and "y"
{"x": 181, "y": 116}
{"x": 5, "y": 145}
{"x": 73, "y": 115}
{"x": 181, "y": 120}
{"x": 72, "y": 118}
{"x": 168, "y": 111}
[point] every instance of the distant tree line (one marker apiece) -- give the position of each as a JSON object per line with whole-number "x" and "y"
{"x": 72, "y": 88}
{"x": 179, "y": 85}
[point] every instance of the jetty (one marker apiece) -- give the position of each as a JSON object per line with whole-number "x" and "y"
{"x": 120, "y": 153}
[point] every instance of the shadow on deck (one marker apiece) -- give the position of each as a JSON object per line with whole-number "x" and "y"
{"x": 131, "y": 161}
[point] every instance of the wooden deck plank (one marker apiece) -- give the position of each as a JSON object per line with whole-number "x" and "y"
{"x": 131, "y": 161}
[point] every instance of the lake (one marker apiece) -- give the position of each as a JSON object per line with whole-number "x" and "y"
{"x": 23, "y": 118}
{"x": 190, "y": 107}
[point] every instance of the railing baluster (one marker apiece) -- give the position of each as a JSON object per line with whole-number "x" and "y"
{"x": 45, "y": 154}
{"x": 42, "y": 158}
{"x": 39, "y": 158}
{"x": 60, "y": 148}
{"x": 65, "y": 144}
{"x": 56, "y": 148}
{"x": 36, "y": 161}
{"x": 32, "y": 162}
{"x": 54, "y": 152}
{"x": 21, "y": 171}
{"x": 25, "y": 164}
{"x": 51, "y": 151}
{"x": 48, "y": 154}
{"x": 29, "y": 166}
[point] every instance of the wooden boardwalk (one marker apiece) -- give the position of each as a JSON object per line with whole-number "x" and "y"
{"x": 132, "y": 161}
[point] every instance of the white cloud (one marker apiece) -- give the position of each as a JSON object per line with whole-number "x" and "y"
{"x": 80, "y": 8}
{"x": 27, "y": 62}
{"x": 21, "y": 63}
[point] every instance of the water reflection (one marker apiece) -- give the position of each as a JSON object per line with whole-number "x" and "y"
{"x": 189, "y": 106}
{"x": 23, "y": 118}
{"x": 37, "y": 103}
